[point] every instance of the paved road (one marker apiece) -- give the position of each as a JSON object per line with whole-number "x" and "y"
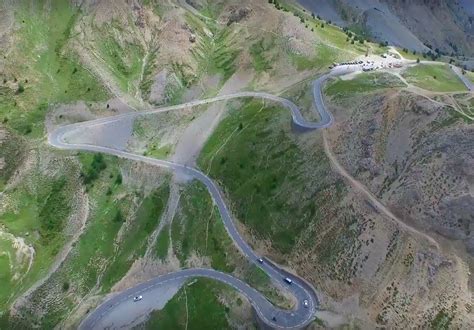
{"x": 273, "y": 316}
{"x": 458, "y": 71}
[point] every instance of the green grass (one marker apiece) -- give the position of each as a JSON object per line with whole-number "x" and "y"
{"x": 159, "y": 152}
{"x": 258, "y": 51}
{"x": 442, "y": 320}
{"x": 163, "y": 242}
{"x": 259, "y": 167}
{"x": 470, "y": 75}
{"x": 149, "y": 72}
{"x": 324, "y": 57}
{"x": 40, "y": 57}
{"x": 217, "y": 53}
{"x": 37, "y": 210}
{"x": 125, "y": 61}
{"x": 196, "y": 306}
{"x": 362, "y": 83}
{"x": 409, "y": 55}
{"x": 9, "y": 265}
{"x": 133, "y": 244}
{"x": 437, "y": 78}
{"x": 106, "y": 249}
{"x": 12, "y": 150}
{"x": 55, "y": 208}
{"x": 198, "y": 228}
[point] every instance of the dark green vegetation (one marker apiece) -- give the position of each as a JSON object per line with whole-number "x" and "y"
{"x": 163, "y": 242}
{"x": 106, "y": 249}
{"x": 37, "y": 210}
{"x": 258, "y": 51}
{"x": 198, "y": 228}
{"x": 362, "y": 83}
{"x": 11, "y": 152}
{"x": 263, "y": 169}
{"x": 54, "y": 210}
{"x": 442, "y": 320}
{"x": 134, "y": 244}
{"x": 91, "y": 171}
{"x": 195, "y": 306}
{"x": 40, "y": 68}
{"x": 124, "y": 58}
{"x": 216, "y": 53}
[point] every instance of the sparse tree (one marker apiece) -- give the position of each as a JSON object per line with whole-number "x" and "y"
{"x": 20, "y": 89}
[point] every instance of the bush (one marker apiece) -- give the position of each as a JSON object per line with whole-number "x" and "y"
{"x": 65, "y": 286}
{"x": 92, "y": 173}
{"x": 118, "y": 217}
{"x": 118, "y": 180}
{"x": 20, "y": 89}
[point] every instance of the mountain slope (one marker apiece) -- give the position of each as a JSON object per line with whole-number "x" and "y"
{"x": 440, "y": 24}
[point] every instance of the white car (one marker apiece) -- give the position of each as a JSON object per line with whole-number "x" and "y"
{"x": 305, "y": 303}
{"x": 288, "y": 280}
{"x": 137, "y": 298}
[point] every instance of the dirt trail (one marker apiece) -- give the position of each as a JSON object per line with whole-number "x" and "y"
{"x": 374, "y": 200}
{"x": 167, "y": 217}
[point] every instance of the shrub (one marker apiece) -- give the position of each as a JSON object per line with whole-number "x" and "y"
{"x": 20, "y": 89}
{"x": 118, "y": 180}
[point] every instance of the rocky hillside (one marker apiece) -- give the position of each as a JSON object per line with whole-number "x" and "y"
{"x": 77, "y": 227}
{"x": 415, "y": 154}
{"x": 439, "y": 24}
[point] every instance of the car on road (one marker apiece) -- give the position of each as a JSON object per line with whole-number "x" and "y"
{"x": 260, "y": 260}
{"x": 288, "y": 280}
{"x": 305, "y": 303}
{"x": 137, "y": 298}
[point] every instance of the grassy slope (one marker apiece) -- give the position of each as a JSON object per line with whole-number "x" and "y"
{"x": 123, "y": 58}
{"x": 470, "y": 75}
{"x": 196, "y": 306}
{"x": 40, "y": 58}
{"x": 259, "y": 166}
{"x": 40, "y": 209}
{"x": 40, "y": 71}
{"x": 198, "y": 228}
{"x": 12, "y": 152}
{"x": 96, "y": 262}
{"x": 362, "y": 83}
{"x": 437, "y": 78}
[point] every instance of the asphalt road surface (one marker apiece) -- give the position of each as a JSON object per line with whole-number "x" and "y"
{"x": 275, "y": 317}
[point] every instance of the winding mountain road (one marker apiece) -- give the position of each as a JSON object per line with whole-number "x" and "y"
{"x": 273, "y": 316}
{"x": 298, "y": 317}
